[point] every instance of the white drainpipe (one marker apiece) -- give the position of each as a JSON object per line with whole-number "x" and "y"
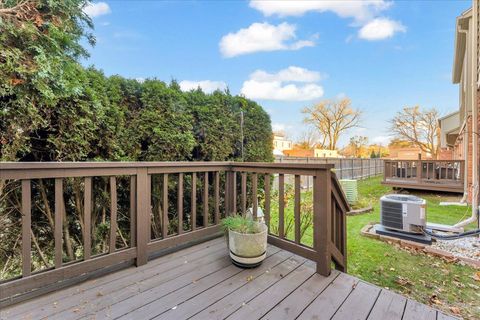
{"x": 472, "y": 69}
{"x": 465, "y": 170}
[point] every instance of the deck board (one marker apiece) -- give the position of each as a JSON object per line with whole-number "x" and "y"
{"x": 200, "y": 288}
{"x": 121, "y": 289}
{"x": 201, "y": 283}
{"x": 389, "y": 306}
{"x": 328, "y": 302}
{"x": 129, "y": 275}
{"x": 264, "y": 302}
{"x": 415, "y": 310}
{"x": 230, "y": 303}
{"x": 358, "y": 304}
{"x": 297, "y": 301}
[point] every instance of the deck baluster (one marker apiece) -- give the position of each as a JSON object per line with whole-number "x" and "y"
{"x": 26, "y": 227}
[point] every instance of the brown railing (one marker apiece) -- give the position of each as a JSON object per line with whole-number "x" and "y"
{"x": 224, "y": 188}
{"x": 437, "y": 174}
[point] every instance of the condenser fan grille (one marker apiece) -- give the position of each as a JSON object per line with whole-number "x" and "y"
{"x": 392, "y": 215}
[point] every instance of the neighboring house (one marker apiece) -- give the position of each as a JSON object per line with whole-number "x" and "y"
{"x": 316, "y": 153}
{"x": 281, "y": 143}
{"x": 449, "y": 130}
{"x": 325, "y": 153}
{"x": 407, "y": 153}
{"x": 466, "y": 75}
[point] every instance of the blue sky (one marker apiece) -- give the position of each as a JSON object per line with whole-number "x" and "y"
{"x": 384, "y": 55}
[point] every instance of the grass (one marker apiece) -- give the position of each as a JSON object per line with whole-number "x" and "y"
{"x": 448, "y": 286}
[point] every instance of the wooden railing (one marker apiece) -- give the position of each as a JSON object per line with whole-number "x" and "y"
{"x": 158, "y": 225}
{"x": 345, "y": 168}
{"x": 441, "y": 173}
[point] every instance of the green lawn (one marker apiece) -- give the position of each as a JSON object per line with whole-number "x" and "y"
{"x": 445, "y": 285}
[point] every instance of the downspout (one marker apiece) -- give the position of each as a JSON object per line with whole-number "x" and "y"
{"x": 465, "y": 171}
{"x": 472, "y": 61}
{"x": 465, "y": 137}
{"x": 465, "y": 161}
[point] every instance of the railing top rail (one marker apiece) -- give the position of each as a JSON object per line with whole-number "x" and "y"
{"x": 43, "y": 170}
{"x": 273, "y": 165}
{"x": 108, "y": 164}
{"x": 164, "y": 164}
{"x": 422, "y": 160}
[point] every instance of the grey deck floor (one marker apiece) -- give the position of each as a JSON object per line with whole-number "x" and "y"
{"x": 201, "y": 283}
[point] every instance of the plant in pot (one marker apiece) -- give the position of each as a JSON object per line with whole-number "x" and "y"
{"x": 247, "y": 240}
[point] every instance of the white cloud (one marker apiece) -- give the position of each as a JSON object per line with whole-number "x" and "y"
{"x": 380, "y": 28}
{"x": 262, "y": 37}
{"x": 358, "y": 10}
{"x": 276, "y": 91}
{"x": 278, "y": 86}
{"x": 365, "y": 14}
{"x": 97, "y": 9}
{"x": 291, "y": 73}
{"x": 207, "y": 86}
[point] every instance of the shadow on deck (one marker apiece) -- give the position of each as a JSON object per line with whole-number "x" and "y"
{"x": 200, "y": 282}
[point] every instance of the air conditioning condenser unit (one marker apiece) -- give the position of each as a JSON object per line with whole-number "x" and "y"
{"x": 404, "y": 213}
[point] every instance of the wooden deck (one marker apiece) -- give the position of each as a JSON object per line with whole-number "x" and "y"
{"x": 454, "y": 187}
{"x": 200, "y": 282}
{"x": 430, "y": 175}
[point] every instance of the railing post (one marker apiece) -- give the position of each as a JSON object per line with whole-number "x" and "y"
{"x": 143, "y": 215}
{"x": 419, "y": 171}
{"x": 322, "y": 220}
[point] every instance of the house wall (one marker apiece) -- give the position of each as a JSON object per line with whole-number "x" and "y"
{"x": 324, "y": 153}
{"x": 465, "y": 137}
{"x": 448, "y": 124}
{"x": 298, "y": 153}
{"x": 466, "y": 54}
{"x": 445, "y": 154}
{"x": 407, "y": 153}
{"x": 281, "y": 144}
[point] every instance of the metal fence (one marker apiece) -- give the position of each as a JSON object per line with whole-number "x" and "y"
{"x": 345, "y": 168}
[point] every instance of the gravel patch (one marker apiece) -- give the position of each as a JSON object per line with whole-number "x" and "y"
{"x": 464, "y": 247}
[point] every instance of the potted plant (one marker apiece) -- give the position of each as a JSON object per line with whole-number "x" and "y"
{"x": 247, "y": 240}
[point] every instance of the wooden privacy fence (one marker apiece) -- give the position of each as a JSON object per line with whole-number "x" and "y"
{"x": 345, "y": 168}
{"x": 441, "y": 175}
{"x": 214, "y": 190}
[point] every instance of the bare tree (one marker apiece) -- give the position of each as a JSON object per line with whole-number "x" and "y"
{"x": 419, "y": 127}
{"x": 356, "y": 144}
{"x": 332, "y": 118}
{"x": 308, "y": 139}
